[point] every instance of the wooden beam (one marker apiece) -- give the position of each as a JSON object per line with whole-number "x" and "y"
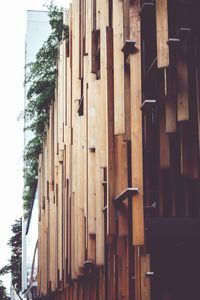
{"x": 95, "y": 51}
{"x": 182, "y": 86}
{"x": 136, "y": 128}
{"x": 81, "y": 192}
{"x": 127, "y": 98}
{"x": 91, "y": 143}
{"x": 123, "y": 276}
{"x": 127, "y": 193}
{"x": 121, "y": 179}
{"x": 118, "y": 61}
{"x": 111, "y": 223}
{"x": 137, "y": 260}
{"x": 164, "y": 137}
{"x": 170, "y": 100}
{"x": 162, "y": 33}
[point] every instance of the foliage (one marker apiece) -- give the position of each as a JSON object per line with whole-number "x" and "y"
{"x": 3, "y": 295}
{"x": 40, "y": 79}
{"x": 14, "y": 265}
{"x": 41, "y": 74}
{"x": 31, "y": 154}
{"x": 15, "y": 243}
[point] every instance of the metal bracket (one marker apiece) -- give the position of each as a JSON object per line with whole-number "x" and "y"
{"x": 89, "y": 264}
{"x": 173, "y": 41}
{"x": 105, "y": 208}
{"x": 147, "y": 106}
{"x": 92, "y": 149}
{"x": 183, "y": 34}
{"x": 145, "y": 7}
{"x": 129, "y": 192}
{"x": 128, "y": 48}
{"x": 149, "y": 274}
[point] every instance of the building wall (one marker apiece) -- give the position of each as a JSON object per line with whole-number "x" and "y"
{"x": 122, "y": 146}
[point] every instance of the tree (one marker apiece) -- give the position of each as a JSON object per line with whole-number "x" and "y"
{"x": 41, "y": 77}
{"x": 15, "y": 263}
{"x": 3, "y": 295}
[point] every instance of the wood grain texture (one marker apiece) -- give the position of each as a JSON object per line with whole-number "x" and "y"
{"x": 118, "y": 64}
{"x": 136, "y": 127}
{"x": 162, "y": 33}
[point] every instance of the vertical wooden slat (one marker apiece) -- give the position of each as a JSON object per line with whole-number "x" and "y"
{"x": 91, "y": 166}
{"x": 137, "y": 259}
{"x": 126, "y": 20}
{"x": 76, "y": 94}
{"x": 101, "y": 157}
{"x": 111, "y": 224}
{"x": 164, "y": 138}
{"x": 182, "y": 86}
{"x": 136, "y": 127}
{"x": 121, "y": 183}
{"x": 101, "y": 283}
{"x": 127, "y": 98}
{"x": 170, "y": 100}
{"x": 118, "y": 63}
{"x": 81, "y": 191}
{"x": 123, "y": 276}
{"x": 162, "y": 33}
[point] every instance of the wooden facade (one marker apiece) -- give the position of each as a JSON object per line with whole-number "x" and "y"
{"x": 119, "y": 176}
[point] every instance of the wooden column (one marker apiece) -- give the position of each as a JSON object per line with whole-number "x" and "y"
{"x": 136, "y": 141}
{"x": 136, "y": 126}
{"x": 118, "y": 60}
{"x": 111, "y": 223}
{"x": 162, "y": 33}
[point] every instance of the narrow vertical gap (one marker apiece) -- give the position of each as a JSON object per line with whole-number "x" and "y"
{"x": 106, "y": 267}
{"x": 131, "y": 272}
{"x": 87, "y": 171}
{"x": 94, "y": 26}
{"x": 110, "y": 12}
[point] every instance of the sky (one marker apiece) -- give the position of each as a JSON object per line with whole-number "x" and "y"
{"x": 12, "y": 33}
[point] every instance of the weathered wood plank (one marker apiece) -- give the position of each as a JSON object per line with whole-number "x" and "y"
{"x": 182, "y": 87}
{"x": 121, "y": 183}
{"x": 170, "y": 100}
{"x": 101, "y": 157}
{"x": 81, "y": 159}
{"x": 164, "y": 138}
{"x": 111, "y": 224}
{"x": 118, "y": 64}
{"x": 162, "y": 33}
{"x": 136, "y": 127}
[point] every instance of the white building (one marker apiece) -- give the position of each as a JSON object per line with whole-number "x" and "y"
{"x": 31, "y": 241}
{"x": 38, "y": 30}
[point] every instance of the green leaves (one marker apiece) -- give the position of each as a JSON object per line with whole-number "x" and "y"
{"x": 15, "y": 243}
{"x": 3, "y": 295}
{"x": 40, "y": 79}
{"x": 31, "y": 156}
{"x": 14, "y": 265}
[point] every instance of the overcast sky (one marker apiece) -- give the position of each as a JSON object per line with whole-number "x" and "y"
{"x": 12, "y": 33}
